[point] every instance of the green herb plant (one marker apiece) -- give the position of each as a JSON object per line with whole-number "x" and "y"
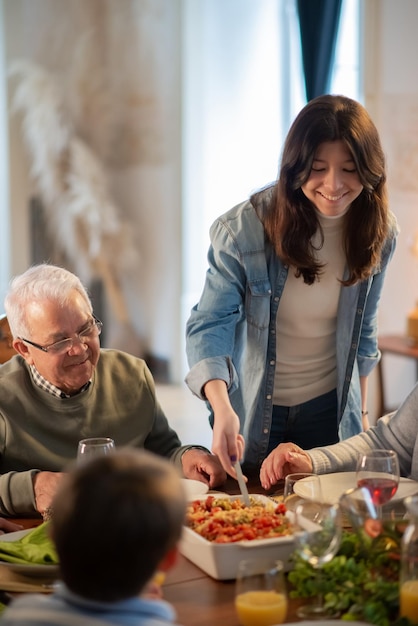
{"x": 361, "y": 583}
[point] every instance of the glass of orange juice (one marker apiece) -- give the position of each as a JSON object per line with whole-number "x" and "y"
{"x": 409, "y": 565}
{"x": 409, "y": 599}
{"x": 260, "y": 595}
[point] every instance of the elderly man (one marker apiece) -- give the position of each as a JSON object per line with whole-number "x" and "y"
{"x": 62, "y": 387}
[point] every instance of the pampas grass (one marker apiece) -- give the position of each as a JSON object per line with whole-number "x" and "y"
{"x": 72, "y": 185}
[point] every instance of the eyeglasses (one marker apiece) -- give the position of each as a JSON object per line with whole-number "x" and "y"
{"x": 60, "y": 347}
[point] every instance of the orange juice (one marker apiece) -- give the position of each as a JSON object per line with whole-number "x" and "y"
{"x": 261, "y": 608}
{"x": 409, "y": 600}
{"x": 159, "y": 578}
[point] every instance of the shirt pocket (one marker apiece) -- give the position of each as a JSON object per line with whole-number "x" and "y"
{"x": 257, "y": 303}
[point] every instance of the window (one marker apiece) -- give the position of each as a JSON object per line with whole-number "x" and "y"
{"x": 346, "y": 74}
{"x": 346, "y": 78}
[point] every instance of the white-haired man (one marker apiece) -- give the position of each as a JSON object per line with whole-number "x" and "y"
{"x": 62, "y": 387}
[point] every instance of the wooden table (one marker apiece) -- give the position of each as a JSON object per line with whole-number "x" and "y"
{"x": 202, "y": 601}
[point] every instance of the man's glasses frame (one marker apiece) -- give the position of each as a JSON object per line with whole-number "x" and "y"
{"x": 93, "y": 329}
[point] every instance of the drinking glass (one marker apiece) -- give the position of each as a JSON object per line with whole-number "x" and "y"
{"x": 378, "y": 471}
{"x": 295, "y": 492}
{"x": 358, "y": 508}
{"x": 317, "y": 540}
{"x": 409, "y": 563}
{"x": 260, "y": 593}
{"x": 93, "y": 447}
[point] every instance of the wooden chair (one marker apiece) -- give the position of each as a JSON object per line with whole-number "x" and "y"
{"x": 6, "y": 348}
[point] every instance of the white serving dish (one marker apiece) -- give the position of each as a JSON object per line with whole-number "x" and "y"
{"x": 220, "y": 560}
{"x": 194, "y": 489}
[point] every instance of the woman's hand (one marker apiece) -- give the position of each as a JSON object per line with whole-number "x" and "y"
{"x": 287, "y": 458}
{"x": 227, "y": 443}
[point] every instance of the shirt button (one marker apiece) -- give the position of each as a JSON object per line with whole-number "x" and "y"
{"x": 265, "y": 431}
{"x": 272, "y": 362}
{"x": 268, "y": 397}
{"x": 276, "y": 299}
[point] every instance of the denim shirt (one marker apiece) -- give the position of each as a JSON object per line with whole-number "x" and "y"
{"x": 230, "y": 334}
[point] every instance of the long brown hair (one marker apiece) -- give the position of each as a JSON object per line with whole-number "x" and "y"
{"x": 290, "y": 221}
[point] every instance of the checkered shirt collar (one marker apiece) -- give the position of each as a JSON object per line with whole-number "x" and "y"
{"x": 44, "y": 384}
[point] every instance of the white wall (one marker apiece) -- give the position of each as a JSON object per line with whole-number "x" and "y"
{"x": 4, "y": 172}
{"x": 391, "y": 96}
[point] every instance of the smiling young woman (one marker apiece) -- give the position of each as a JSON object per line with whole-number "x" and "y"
{"x": 284, "y": 336}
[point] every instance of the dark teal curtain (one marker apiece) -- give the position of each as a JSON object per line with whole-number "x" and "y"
{"x": 318, "y": 22}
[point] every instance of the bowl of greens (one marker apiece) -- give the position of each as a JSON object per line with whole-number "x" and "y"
{"x": 361, "y": 583}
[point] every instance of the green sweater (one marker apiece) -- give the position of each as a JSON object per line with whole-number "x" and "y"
{"x": 41, "y": 432}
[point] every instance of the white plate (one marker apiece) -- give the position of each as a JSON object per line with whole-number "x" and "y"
{"x": 33, "y": 570}
{"x": 334, "y": 485}
{"x": 194, "y": 488}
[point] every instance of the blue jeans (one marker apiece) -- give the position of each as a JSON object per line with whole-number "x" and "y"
{"x": 311, "y": 424}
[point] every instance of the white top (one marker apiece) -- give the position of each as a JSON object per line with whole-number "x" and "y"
{"x": 306, "y": 324}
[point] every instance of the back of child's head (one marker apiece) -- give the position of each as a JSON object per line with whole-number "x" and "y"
{"x": 114, "y": 519}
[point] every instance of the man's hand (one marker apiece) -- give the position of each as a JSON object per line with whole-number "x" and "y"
{"x": 45, "y": 485}
{"x": 287, "y": 458}
{"x": 200, "y": 465}
{"x": 7, "y": 526}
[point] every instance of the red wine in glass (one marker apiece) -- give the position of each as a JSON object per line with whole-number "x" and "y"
{"x": 378, "y": 471}
{"x": 381, "y": 489}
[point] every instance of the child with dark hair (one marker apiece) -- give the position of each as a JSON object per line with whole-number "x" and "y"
{"x": 116, "y": 521}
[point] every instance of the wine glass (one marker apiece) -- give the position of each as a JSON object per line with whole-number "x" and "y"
{"x": 94, "y": 447}
{"x": 260, "y": 592}
{"x": 360, "y": 512}
{"x": 317, "y": 540}
{"x": 378, "y": 471}
{"x": 301, "y": 486}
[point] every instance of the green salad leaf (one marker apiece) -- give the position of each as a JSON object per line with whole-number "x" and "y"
{"x": 361, "y": 583}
